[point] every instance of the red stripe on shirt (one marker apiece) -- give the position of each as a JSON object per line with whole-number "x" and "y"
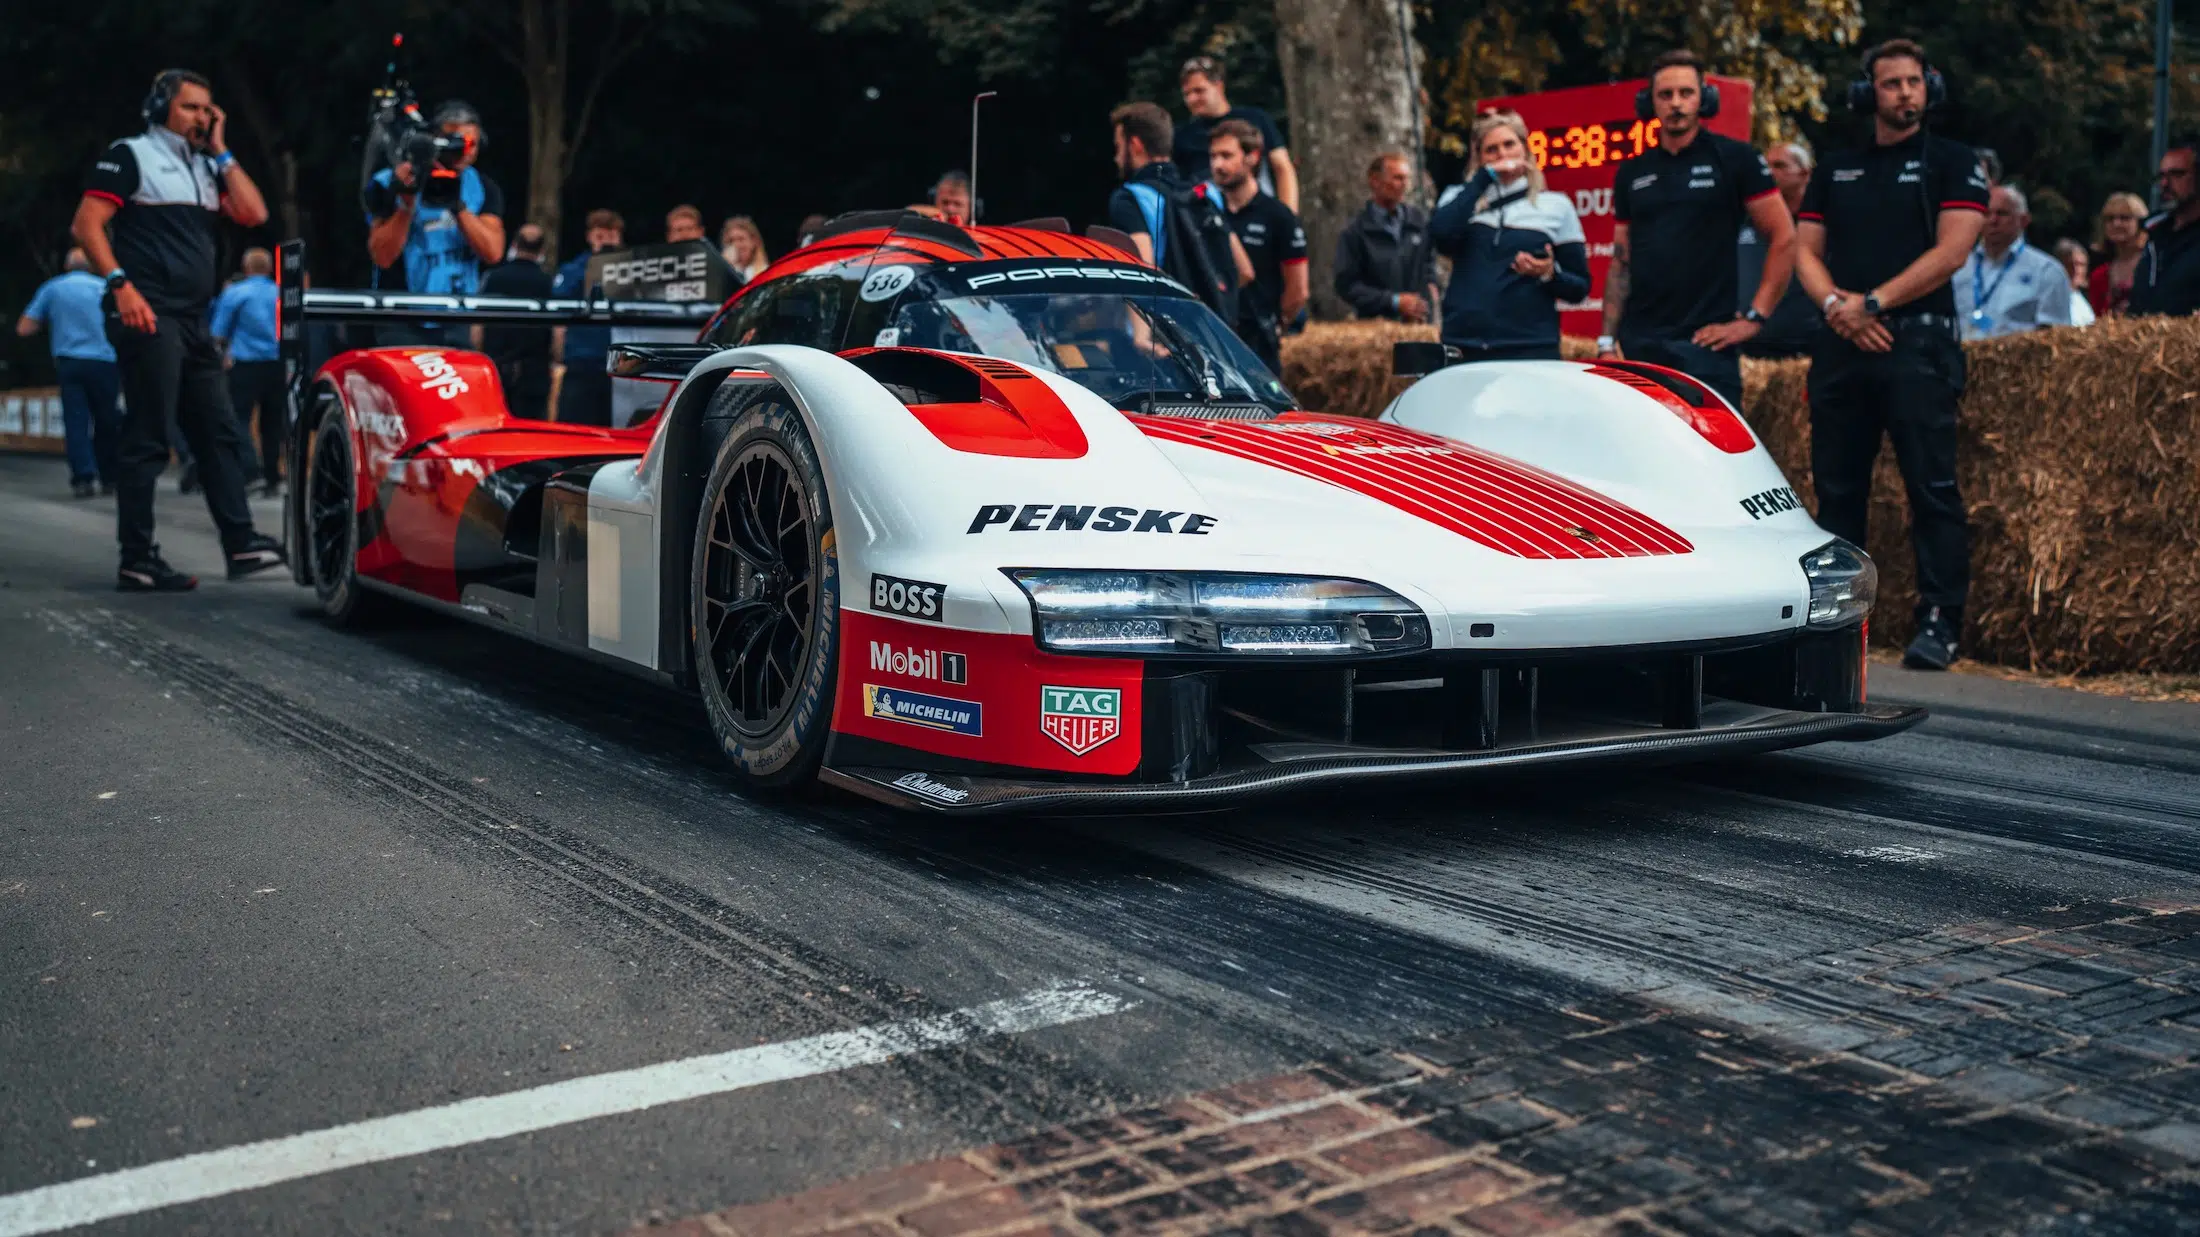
{"x": 104, "y": 196}
{"x": 1810, "y": 216}
{"x": 1958, "y": 204}
{"x": 1293, "y": 262}
{"x": 1762, "y": 195}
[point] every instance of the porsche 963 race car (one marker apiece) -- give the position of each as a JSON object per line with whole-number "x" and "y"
{"x": 986, "y": 518}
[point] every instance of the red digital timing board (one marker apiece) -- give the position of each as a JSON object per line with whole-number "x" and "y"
{"x": 1579, "y": 136}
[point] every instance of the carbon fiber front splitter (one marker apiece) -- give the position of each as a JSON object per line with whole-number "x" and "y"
{"x": 1728, "y": 730}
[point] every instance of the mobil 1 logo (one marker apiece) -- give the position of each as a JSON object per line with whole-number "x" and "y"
{"x": 917, "y": 599}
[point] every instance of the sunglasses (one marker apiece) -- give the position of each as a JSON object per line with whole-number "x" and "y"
{"x": 1199, "y": 64}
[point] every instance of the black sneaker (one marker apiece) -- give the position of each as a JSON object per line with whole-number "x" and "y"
{"x": 152, "y": 574}
{"x": 106, "y": 489}
{"x": 1934, "y": 648}
{"x": 188, "y": 483}
{"x": 258, "y": 553}
{"x": 82, "y": 489}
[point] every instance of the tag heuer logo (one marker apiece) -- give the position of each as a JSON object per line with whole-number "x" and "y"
{"x": 1080, "y": 718}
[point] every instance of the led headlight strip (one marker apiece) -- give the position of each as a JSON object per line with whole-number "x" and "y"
{"x": 1204, "y": 614}
{"x": 1843, "y": 584}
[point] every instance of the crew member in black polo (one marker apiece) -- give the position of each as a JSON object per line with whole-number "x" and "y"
{"x": 1272, "y": 238}
{"x": 1882, "y": 231}
{"x": 164, "y": 192}
{"x": 1669, "y": 296}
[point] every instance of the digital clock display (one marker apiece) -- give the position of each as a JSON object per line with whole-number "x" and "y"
{"x": 1592, "y": 145}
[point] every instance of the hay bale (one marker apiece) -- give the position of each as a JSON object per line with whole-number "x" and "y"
{"x": 2078, "y": 453}
{"x": 1344, "y": 367}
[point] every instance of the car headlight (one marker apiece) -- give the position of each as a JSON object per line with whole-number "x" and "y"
{"x": 1843, "y": 584}
{"x": 1163, "y": 613}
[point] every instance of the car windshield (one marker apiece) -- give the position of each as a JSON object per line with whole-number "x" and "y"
{"x": 1121, "y": 348}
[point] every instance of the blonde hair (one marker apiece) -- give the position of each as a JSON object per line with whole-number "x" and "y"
{"x": 2137, "y": 206}
{"x": 742, "y": 223}
{"x": 1490, "y": 122}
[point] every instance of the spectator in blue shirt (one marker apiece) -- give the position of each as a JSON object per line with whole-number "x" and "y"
{"x": 584, "y": 394}
{"x": 68, "y": 306}
{"x": 244, "y": 322}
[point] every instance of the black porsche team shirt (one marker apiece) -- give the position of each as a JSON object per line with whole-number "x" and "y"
{"x": 167, "y": 231}
{"x": 1273, "y": 239}
{"x": 1881, "y": 210}
{"x": 1684, "y": 214}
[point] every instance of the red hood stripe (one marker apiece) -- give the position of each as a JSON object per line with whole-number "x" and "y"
{"x": 1508, "y": 506}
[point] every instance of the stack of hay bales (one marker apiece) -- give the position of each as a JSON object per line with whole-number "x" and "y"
{"x": 2079, "y": 456}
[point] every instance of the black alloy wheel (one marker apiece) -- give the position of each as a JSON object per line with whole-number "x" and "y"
{"x": 765, "y": 592}
{"x": 758, "y": 591}
{"x": 332, "y": 522}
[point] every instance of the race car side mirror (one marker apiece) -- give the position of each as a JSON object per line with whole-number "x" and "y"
{"x": 1418, "y": 358}
{"x": 663, "y": 362}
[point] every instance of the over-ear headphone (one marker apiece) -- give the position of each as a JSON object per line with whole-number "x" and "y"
{"x": 1646, "y": 108}
{"x": 161, "y": 96}
{"x": 1864, "y": 97}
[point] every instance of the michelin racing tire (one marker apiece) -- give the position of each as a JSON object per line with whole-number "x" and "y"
{"x": 764, "y": 590}
{"x": 331, "y": 504}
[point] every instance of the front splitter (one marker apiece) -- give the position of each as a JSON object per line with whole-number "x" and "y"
{"x": 1762, "y": 731}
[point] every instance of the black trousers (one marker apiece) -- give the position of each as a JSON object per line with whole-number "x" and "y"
{"x": 526, "y": 385}
{"x": 585, "y": 396}
{"x": 1721, "y": 371}
{"x": 175, "y": 373}
{"x": 259, "y": 384}
{"x": 1908, "y": 395}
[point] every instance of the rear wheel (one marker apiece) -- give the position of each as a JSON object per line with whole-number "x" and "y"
{"x": 764, "y": 595}
{"x": 332, "y": 524}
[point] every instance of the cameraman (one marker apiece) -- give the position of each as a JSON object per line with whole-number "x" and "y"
{"x": 164, "y": 193}
{"x": 433, "y": 229}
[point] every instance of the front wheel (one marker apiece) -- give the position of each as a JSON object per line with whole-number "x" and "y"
{"x": 330, "y": 497}
{"x": 764, "y": 595}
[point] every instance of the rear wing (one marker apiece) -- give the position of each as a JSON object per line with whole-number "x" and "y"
{"x": 297, "y": 306}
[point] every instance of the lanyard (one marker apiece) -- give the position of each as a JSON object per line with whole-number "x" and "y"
{"x": 1978, "y": 275}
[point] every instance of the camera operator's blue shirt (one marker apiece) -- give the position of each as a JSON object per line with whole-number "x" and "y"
{"x": 69, "y": 305}
{"x": 437, "y": 256}
{"x": 244, "y": 314}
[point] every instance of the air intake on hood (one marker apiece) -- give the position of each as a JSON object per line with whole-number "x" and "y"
{"x": 1212, "y": 412}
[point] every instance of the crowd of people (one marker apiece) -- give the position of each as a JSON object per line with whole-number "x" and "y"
{"x": 1875, "y": 263}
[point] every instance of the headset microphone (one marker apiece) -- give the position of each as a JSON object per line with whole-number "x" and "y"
{"x": 161, "y": 96}
{"x": 1864, "y": 96}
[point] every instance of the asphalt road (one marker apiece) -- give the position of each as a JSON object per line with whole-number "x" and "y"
{"x": 260, "y": 878}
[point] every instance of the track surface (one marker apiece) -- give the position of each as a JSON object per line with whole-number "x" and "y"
{"x": 260, "y": 878}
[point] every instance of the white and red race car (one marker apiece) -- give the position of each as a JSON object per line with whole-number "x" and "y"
{"x": 1000, "y": 518}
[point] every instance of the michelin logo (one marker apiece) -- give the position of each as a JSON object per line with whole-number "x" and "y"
{"x": 893, "y": 704}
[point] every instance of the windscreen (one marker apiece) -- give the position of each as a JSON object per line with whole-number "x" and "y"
{"x": 1123, "y": 347}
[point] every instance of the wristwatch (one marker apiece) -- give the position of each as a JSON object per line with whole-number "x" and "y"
{"x": 1751, "y": 315}
{"x": 1605, "y": 343}
{"x": 116, "y": 278}
{"x": 1872, "y": 305}
{"x": 1832, "y": 299}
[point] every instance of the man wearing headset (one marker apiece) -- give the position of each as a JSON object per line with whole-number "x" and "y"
{"x": 436, "y": 240}
{"x": 163, "y": 193}
{"x": 1883, "y": 229}
{"x": 1681, "y": 206}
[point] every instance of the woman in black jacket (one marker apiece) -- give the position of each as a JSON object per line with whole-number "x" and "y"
{"x": 1516, "y": 250}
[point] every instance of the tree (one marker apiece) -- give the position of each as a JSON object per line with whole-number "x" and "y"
{"x": 1350, "y": 72}
{"x": 537, "y": 38}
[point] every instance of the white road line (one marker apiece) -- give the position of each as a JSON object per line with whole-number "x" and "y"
{"x": 211, "y": 1174}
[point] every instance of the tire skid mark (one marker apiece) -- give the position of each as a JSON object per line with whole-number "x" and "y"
{"x": 1006, "y": 1078}
{"x": 1552, "y": 929}
{"x": 1914, "y": 800}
